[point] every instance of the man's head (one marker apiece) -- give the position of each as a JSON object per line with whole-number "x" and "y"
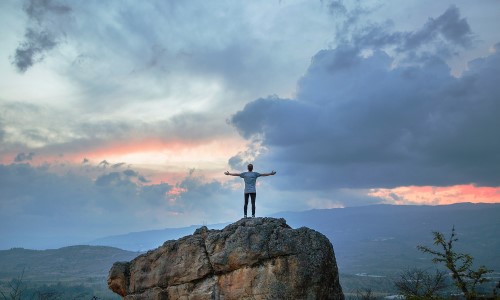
{"x": 250, "y": 167}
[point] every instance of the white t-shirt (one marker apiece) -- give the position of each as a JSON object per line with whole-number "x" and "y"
{"x": 250, "y": 179}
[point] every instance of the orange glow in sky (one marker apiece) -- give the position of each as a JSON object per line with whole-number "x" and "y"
{"x": 171, "y": 152}
{"x": 431, "y": 195}
{"x": 159, "y": 161}
{"x": 171, "y": 161}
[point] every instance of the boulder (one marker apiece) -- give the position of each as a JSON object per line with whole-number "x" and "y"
{"x": 257, "y": 258}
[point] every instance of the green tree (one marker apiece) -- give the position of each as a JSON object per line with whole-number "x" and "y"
{"x": 459, "y": 264}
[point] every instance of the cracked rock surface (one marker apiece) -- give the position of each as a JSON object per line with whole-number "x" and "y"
{"x": 258, "y": 258}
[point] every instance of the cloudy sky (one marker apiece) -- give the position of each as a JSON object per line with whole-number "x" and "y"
{"x": 120, "y": 116}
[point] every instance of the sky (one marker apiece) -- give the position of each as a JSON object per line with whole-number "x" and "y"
{"x": 122, "y": 116}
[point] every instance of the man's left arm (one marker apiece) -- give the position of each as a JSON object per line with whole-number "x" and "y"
{"x": 268, "y": 174}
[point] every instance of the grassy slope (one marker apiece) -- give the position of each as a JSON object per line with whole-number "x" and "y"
{"x": 75, "y": 263}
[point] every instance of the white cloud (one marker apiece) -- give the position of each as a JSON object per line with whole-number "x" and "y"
{"x": 118, "y": 52}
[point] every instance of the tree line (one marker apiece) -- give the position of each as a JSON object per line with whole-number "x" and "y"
{"x": 419, "y": 284}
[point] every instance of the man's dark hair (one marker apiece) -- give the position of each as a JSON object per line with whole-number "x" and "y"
{"x": 250, "y": 167}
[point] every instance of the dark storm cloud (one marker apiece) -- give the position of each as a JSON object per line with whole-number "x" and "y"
{"x": 103, "y": 164}
{"x": 32, "y": 49}
{"x": 363, "y": 122}
{"x": 49, "y": 207}
{"x": 143, "y": 179}
{"x": 128, "y": 178}
{"x": 155, "y": 194}
{"x": 128, "y": 181}
{"x": 113, "y": 179}
{"x": 42, "y": 34}
{"x": 132, "y": 173}
{"x": 337, "y": 7}
{"x": 210, "y": 196}
{"x": 449, "y": 26}
{"x": 118, "y": 165}
{"x": 237, "y": 162}
{"x": 39, "y": 9}
{"x": 129, "y": 185}
{"x": 20, "y": 157}
{"x": 442, "y": 36}
{"x": 24, "y": 185}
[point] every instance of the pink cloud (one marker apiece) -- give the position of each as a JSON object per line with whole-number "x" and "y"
{"x": 438, "y": 195}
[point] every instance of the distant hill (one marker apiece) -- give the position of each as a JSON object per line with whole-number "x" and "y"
{"x": 75, "y": 263}
{"x": 150, "y": 239}
{"x": 382, "y": 239}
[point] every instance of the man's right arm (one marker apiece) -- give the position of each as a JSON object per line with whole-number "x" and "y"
{"x": 231, "y": 174}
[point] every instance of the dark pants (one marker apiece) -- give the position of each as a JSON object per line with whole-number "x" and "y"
{"x": 252, "y": 196}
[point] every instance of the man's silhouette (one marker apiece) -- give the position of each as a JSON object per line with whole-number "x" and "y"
{"x": 250, "y": 178}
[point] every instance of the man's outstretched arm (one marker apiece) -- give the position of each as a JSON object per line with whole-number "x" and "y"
{"x": 268, "y": 174}
{"x": 232, "y": 174}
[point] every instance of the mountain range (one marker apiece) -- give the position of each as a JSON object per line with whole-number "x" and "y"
{"x": 372, "y": 244}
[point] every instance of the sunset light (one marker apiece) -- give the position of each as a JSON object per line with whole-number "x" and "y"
{"x": 432, "y": 195}
{"x": 122, "y": 116}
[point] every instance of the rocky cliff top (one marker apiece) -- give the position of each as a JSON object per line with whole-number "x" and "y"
{"x": 258, "y": 258}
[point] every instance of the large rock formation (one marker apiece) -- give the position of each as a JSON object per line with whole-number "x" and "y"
{"x": 258, "y": 258}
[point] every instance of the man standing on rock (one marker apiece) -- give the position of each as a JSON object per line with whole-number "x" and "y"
{"x": 250, "y": 179}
